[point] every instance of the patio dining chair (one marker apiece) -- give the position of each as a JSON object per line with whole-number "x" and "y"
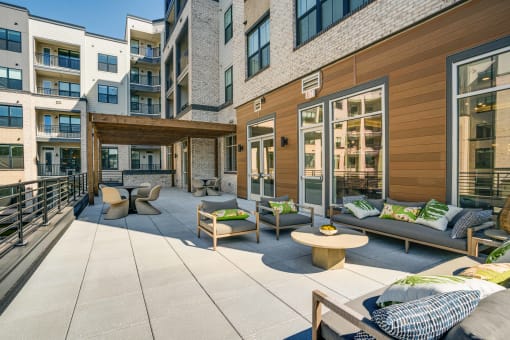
{"x": 213, "y": 187}
{"x": 141, "y": 192}
{"x": 143, "y": 207}
{"x": 198, "y": 187}
{"x": 119, "y": 207}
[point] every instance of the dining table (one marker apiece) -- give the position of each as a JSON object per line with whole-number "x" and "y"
{"x": 129, "y": 189}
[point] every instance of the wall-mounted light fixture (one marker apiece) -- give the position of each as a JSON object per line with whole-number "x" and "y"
{"x": 262, "y": 99}
{"x": 284, "y": 141}
{"x": 240, "y": 148}
{"x": 175, "y": 155}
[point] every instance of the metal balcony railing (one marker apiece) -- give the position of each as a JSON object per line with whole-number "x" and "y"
{"x": 140, "y": 166}
{"x": 60, "y": 131}
{"x": 146, "y": 109}
{"x": 145, "y": 80}
{"x": 146, "y": 52}
{"x": 26, "y": 206}
{"x": 56, "y": 61}
{"x": 56, "y": 92}
{"x": 57, "y": 170}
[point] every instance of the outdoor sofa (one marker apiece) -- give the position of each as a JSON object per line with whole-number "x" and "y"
{"x": 343, "y": 321}
{"x": 407, "y": 231}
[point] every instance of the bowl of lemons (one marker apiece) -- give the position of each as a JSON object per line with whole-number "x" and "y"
{"x": 328, "y": 229}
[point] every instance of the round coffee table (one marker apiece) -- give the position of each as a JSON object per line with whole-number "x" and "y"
{"x": 328, "y": 252}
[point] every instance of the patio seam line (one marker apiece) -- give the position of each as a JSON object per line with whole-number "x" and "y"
{"x": 84, "y": 272}
{"x": 196, "y": 279}
{"x": 139, "y": 279}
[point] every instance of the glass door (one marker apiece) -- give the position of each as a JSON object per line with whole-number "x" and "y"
{"x": 311, "y": 156}
{"x": 261, "y": 175}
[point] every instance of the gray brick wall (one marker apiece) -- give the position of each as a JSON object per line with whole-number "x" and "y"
{"x": 377, "y": 20}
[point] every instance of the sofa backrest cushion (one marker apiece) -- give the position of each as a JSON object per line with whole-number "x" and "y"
{"x": 210, "y": 206}
{"x": 264, "y": 201}
{"x": 405, "y": 203}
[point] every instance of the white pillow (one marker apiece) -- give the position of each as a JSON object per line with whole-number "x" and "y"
{"x": 440, "y": 224}
{"x": 452, "y": 212}
{"x": 362, "y": 209}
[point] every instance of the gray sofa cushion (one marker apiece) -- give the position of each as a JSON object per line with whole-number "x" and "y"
{"x": 377, "y": 203}
{"x": 210, "y": 206}
{"x": 264, "y": 201}
{"x": 488, "y": 321}
{"x": 229, "y": 227}
{"x": 287, "y": 219}
{"x": 406, "y": 204}
{"x": 404, "y": 229}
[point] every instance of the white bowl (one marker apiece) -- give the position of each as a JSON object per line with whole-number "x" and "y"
{"x": 328, "y": 232}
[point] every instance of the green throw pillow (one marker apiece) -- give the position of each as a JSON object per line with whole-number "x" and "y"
{"x": 434, "y": 215}
{"x": 362, "y": 209}
{"x": 230, "y": 214}
{"x": 284, "y": 207}
{"x": 500, "y": 254}
{"x": 418, "y": 286}
{"x": 494, "y": 272}
{"x": 399, "y": 213}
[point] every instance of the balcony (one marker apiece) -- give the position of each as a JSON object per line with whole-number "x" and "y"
{"x": 60, "y": 63}
{"x": 59, "y": 131}
{"x": 141, "y": 166}
{"x": 146, "y": 109}
{"x": 57, "y": 170}
{"x": 150, "y": 55}
{"x": 145, "y": 83}
{"x": 56, "y": 92}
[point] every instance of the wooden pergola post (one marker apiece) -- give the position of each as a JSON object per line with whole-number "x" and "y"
{"x": 189, "y": 164}
{"x": 90, "y": 160}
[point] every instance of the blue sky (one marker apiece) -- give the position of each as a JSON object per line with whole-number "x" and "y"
{"x": 105, "y": 17}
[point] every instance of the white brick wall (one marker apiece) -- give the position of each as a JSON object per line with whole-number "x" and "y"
{"x": 377, "y": 20}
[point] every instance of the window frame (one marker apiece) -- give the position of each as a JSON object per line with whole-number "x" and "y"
{"x": 230, "y": 149}
{"x": 109, "y": 158}
{"x": 110, "y": 98}
{"x": 229, "y": 87}
{"x": 9, "y": 117}
{"x": 11, "y": 82}
{"x": 9, "y": 42}
{"x": 68, "y": 91}
{"x": 108, "y": 66}
{"x": 258, "y": 53}
{"x": 11, "y": 164}
{"x": 228, "y": 29}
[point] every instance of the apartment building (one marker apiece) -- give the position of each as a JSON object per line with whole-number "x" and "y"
{"x": 401, "y": 99}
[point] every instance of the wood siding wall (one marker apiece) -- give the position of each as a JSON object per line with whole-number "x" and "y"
{"x": 415, "y": 63}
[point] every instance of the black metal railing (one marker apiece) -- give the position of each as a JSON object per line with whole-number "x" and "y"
{"x": 147, "y": 52}
{"x": 145, "y": 80}
{"x": 26, "y": 206}
{"x": 147, "y": 109}
{"x": 56, "y": 92}
{"x": 491, "y": 187}
{"x": 59, "y": 131}
{"x": 57, "y": 170}
{"x": 347, "y": 183}
{"x": 140, "y": 166}
{"x": 52, "y": 60}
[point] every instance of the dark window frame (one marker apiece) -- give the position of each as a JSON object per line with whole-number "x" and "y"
{"x": 106, "y": 97}
{"x": 229, "y": 87}
{"x": 68, "y": 92}
{"x": 69, "y": 58}
{"x": 68, "y": 127}
{"x": 110, "y": 65}
{"x": 9, "y": 82}
{"x": 10, "y": 119}
{"x": 228, "y": 28}
{"x": 230, "y": 165}
{"x": 259, "y": 52}
{"x": 9, "y": 162}
{"x": 107, "y": 162}
{"x": 8, "y": 44}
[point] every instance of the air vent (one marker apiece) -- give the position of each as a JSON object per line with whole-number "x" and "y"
{"x": 311, "y": 83}
{"x": 257, "y": 105}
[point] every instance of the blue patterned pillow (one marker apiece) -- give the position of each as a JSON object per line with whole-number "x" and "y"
{"x": 426, "y": 318}
{"x": 362, "y": 335}
{"x": 469, "y": 219}
{"x": 350, "y": 199}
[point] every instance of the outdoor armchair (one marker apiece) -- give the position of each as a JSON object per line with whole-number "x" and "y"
{"x": 208, "y": 223}
{"x": 143, "y": 207}
{"x": 198, "y": 187}
{"x": 275, "y": 219}
{"x": 119, "y": 207}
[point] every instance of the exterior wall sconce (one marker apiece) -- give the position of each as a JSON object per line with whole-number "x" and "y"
{"x": 284, "y": 141}
{"x": 240, "y": 148}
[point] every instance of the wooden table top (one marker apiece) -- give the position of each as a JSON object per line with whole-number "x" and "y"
{"x": 344, "y": 239}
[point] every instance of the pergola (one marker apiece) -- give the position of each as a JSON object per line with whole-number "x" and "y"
{"x": 126, "y": 130}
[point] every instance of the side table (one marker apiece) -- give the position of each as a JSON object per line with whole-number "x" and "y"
{"x": 491, "y": 237}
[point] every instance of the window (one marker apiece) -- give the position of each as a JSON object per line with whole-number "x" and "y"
{"x": 357, "y": 137}
{"x": 69, "y": 59}
{"x": 258, "y": 48}
{"x": 228, "y": 85}
{"x": 135, "y": 47}
{"x": 70, "y": 160}
{"x": 10, "y": 40}
{"x": 10, "y": 78}
{"x": 107, "y": 63}
{"x": 135, "y": 75}
{"x": 227, "y": 21}
{"x": 69, "y": 124}
{"x": 315, "y": 16}
{"x": 135, "y": 159}
{"x": 11, "y": 156}
{"x": 107, "y": 94}
{"x": 231, "y": 153}
{"x": 11, "y": 116}
{"x": 109, "y": 158}
{"x": 481, "y": 97}
{"x": 68, "y": 89}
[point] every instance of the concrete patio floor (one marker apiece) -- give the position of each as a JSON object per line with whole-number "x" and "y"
{"x": 150, "y": 277}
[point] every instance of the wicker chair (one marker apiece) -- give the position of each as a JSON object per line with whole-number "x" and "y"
{"x": 119, "y": 207}
{"x": 143, "y": 207}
